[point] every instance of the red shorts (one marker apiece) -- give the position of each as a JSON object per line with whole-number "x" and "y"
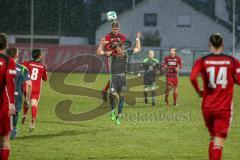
{"x": 217, "y": 122}
{"x": 172, "y": 81}
{"x": 35, "y": 95}
{"x": 5, "y": 119}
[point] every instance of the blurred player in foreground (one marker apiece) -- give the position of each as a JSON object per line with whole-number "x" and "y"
{"x": 219, "y": 73}
{"x": 172, "y": 64}
{"x": 113, "y": 39}
{"x": 37, "y": 72}
{"x": 118, "y": 68}
{"x": 7, "y": 108}
{"x": 151, "y": 66}
{"x": 21, "y": 78}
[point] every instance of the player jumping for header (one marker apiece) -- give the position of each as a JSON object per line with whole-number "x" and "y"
{"x": 118, "y": 69}
{"x": 113, "y": 39}
{"x": 172, "y": 64}
{"x": 219, "y": 73}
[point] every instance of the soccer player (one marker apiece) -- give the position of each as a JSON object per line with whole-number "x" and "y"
{"x": 150, "y": 66}
{"x": 219, "y": 73}
{"x": 172, "y": 64}
{"x": 21, "y": 78}
{"x": 37, "y": 72}
{"x": 113, "y": 39}
{"x": 118, "y": 69}
{"x": 7, "y": 108}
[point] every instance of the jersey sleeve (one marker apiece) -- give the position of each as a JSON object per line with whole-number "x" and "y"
{"x": 25, "y": 74}
{"x": 45, "y": 75}
{"x": 107, "y": 46}
{"x": 164, "y": 64}
{"x": 180, "y": 62}
{"x": 10, "y": 75}
{"x": 123, "y": 38}
{"x": 237, "y": 72}
{"x": 196, "y": 70}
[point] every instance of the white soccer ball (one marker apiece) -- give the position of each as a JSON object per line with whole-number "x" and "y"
{"x": 111, "y": 16}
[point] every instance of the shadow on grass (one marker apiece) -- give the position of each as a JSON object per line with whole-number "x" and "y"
{"x": 62, "y": 123}
{"x": 67, "y": 133}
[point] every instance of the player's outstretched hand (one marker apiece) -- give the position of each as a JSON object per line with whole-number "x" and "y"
{"x": 138, "y": 34}
{"x": 103, "y": 41}
{"x": 12, "y": 110}
{"x": 108, "y": 53}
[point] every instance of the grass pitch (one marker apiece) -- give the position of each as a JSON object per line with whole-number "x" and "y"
{"x": 146, "y": 132}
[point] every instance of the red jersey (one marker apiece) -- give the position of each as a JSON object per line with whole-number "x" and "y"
{"x": 37, "y": 72}
{"x": 219, "y": 73}
{"x": 171, "y": 63}
{"x": 114, "y": 40}
{"x": 7, "y": 74}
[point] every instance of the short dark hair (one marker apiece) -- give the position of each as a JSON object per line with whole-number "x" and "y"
{"x": 36, "y": 53}
{"x": 216, "y": 40}
{"x": 3, "y": 41}
{"x": 12, "y": 52}
{"x": 115, "y": 24}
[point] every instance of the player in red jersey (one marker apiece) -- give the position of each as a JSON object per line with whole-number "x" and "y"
{"x": 7, "y": 87}
{"x": 219, "y": 73}
{"x": 112, "y": 39}
{"x": 172, "y": 64}
{"x": 37, "y": 72}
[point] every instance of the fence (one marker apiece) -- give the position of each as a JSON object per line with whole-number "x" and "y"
{"x": 188, "y": 57}
{"x": 56, "y": 55}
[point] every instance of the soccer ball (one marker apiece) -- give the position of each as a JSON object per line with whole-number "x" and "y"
{"x": 111, "y": 16}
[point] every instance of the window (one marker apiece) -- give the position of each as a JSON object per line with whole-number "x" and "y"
{"x": 150, "y": 19}
{"x": 184, "y": 21}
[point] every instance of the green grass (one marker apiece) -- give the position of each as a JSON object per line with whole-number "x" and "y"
{"x": 183, "y": 137}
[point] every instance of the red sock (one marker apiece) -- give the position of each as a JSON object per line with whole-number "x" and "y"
{"x": 107, "y": 86}
{"x": 4, "y": 153}
{"x": 34, "y": 112}
{"x": 175, "y": 97}
{"x": 210, "y": 149}
{"x": 25, "y": 110}
{"x": 216, "y": 153}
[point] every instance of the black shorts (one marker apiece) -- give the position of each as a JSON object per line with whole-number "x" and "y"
{"x": 118, "y": 83}
{"x": 149, "y": 81}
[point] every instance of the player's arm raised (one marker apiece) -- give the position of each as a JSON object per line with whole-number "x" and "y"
{"x": 194, "y": 75}
{"x": 137, "y": 47}
{"x": 100, "y": 49}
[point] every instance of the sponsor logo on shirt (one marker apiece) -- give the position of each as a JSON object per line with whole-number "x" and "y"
{"x": 218, "y": 62}
{"x": 172, "y": 63}
{"x": 35, "y": 65}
